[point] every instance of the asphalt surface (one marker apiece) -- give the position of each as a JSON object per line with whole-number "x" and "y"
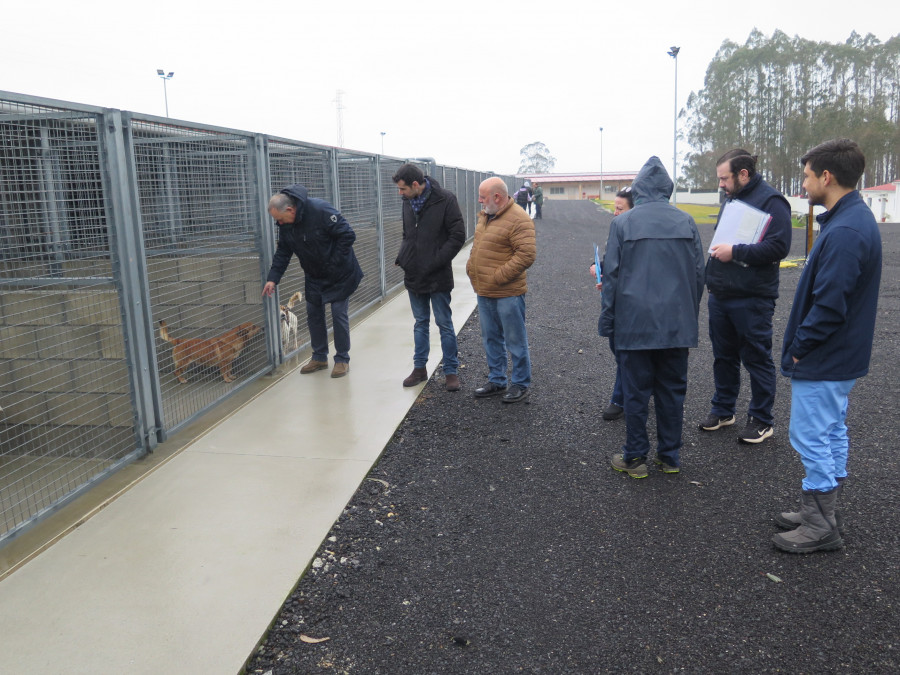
{"x": 493, "y": 538}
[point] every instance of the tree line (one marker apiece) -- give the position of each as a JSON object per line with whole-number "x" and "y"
{"x": 780, "y": 96}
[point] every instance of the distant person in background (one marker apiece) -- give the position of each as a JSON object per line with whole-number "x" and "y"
{"x": 433, "y": 233}
{"x": 523, "y": 196}
{"x": 537, "y": 197}
{"x": 743, "y": 285}
{"x": 615, "y": 410}
{"x": 828, "y": 340}
{"x": 322, "y": 240}
{"x": 502, "y": 251}
{"x": 652, "y": 283}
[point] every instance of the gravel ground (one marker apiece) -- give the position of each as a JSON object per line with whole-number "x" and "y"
{"x": 494, "y": 538}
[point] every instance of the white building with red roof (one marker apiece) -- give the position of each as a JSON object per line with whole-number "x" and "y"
{"x": 884, "y": 200}
{"x": 580, "y": 185}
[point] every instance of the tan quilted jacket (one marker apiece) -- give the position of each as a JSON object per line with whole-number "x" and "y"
{"x": 503, "y": 249}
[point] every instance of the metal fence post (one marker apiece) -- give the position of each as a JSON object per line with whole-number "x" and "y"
{"x": 130, "y": 274}
{"x": 335, "y": 179}
{"x": 259, "y": 174}
{"x": 379, "y": 224}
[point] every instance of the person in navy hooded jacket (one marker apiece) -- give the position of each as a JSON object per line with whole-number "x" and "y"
{"x": 652, "y": 283}
{"x": 322, "y": 240}
{"x": 828, "y": 340}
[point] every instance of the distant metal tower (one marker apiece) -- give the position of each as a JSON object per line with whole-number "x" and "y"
{"x": 339, "y": 107}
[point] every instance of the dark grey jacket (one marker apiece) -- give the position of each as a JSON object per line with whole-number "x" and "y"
{"x": 652, "y": 269}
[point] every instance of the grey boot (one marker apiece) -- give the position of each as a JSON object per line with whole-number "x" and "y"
{"x": 818, "y": 528}
{"x": 789, "y": 520}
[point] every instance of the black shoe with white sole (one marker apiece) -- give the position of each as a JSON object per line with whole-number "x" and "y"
{"x": 713, "y": 422}
{"x": 755, "y": 431}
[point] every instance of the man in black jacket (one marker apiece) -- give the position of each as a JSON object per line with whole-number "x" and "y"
{"x": 323, "y": 240}
{"x": 433, "y": 233}
{"x": 743, "y": 284}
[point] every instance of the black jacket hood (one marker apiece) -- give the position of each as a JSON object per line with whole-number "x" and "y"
{"x": 652, "y": 183}
{"x": 299, "y": 195}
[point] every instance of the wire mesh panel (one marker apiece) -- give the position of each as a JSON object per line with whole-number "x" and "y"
{"x": 465, "y": 201}
{"x": 291, "y": 163}
{"x": 88, "y": 376}
{"x": 66, "y": 414}
{"x": 392, "y": 220}
{"x": 200, "y": 227}
{"x": 359, "y": 205}
{"x": 450, "y": 182}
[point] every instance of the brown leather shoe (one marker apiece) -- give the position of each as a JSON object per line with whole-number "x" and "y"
{"x": 340, "y": 369}
{"x": 451, "y": 382}
{"x": 313, "y": 366}
{"x": 416, "y": 376}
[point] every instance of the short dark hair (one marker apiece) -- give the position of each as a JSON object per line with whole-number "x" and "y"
{"x": 738, "y": 160}
{"x": 409, "y": 174}
{"x": 842, "y": 158}
{"x": 625, "y": 193}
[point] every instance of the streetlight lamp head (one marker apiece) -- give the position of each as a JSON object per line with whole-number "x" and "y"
{"x": 673, "y": 51}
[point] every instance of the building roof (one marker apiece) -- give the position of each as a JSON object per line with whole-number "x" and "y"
{"x": 578, "y": 177}
{"x": 887, "y": 187}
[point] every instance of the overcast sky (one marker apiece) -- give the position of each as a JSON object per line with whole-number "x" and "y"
{"x": 468, "y": 83}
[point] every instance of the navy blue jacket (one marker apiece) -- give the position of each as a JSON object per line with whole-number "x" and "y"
{"x": 323, "y": 240}
{"x": 832, "y": 322}
{"x": 431, "y": 239}
{"x": 755, "y": 272}
{"x": 652, "y": 269}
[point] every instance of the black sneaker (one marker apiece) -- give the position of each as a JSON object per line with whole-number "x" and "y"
{"x": 515, "y": 393}
{"x": 490, "y": 389}
{"x": 613, "y": 412}
{"x": 713, "y": 422}
{"x": 755, "y": 431}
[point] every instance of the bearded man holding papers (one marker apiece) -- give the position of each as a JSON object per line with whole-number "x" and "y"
{"x": 742, "y": 280}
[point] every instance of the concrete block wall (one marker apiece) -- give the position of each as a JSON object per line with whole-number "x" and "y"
{"x": 63, "y": 376}
{"x": 204, "y": 296}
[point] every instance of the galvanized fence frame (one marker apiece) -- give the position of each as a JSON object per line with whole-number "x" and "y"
{"x": 112, "y": 222}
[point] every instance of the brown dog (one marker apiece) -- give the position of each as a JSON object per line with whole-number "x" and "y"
{"x": 219, "y": 352}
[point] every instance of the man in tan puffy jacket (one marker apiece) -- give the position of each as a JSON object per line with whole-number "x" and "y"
{"x": 504, "y": 248}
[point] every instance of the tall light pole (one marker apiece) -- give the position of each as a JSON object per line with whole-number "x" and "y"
{"x": 673, "y": 52}
{"x": 601, "y": 164}
{"x": 165, "y": 78}
{"x": 382, "y": 141}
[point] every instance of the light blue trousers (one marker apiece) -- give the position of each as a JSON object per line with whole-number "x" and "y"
{"x": 818, "y": 430}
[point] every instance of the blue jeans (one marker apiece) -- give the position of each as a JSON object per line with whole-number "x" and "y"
{"x": 818, "y": 430}
{"x": 661, "y": 373}
{"x": 740, "y": 330}
{"x": 443, "y": 317}
{"x": 318, "y": 330}
{"x": 503, "y": 328}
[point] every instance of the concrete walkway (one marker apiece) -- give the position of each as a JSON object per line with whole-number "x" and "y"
{"x": 184, "y": 571}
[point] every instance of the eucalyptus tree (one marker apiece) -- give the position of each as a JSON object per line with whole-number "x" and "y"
{"x": 778, "y": 96}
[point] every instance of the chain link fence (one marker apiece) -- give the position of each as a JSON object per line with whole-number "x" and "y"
{"x": 124, "y": 235}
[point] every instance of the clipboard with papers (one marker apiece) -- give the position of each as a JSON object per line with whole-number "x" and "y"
{"x": 740, "y": 223}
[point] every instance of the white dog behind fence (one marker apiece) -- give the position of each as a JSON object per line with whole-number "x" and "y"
{"x": 289, "y": 324}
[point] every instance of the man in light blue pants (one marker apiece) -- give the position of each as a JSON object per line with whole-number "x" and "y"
{"x": 828, "y": 341}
